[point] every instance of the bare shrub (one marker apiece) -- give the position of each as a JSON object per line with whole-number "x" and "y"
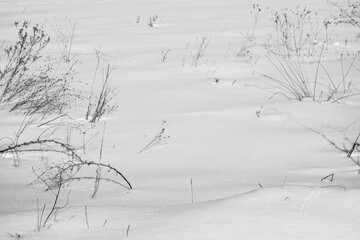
{"x": 27, "y": 84}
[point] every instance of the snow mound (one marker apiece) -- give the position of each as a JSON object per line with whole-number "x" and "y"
{"x": 274, "y": 213}
{"x": 288, "y": 212}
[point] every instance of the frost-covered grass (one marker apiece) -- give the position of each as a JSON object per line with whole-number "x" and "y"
{"x": 256, "y": 160}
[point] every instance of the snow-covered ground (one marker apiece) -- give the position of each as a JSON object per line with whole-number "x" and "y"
{"x": 255, "y": 162}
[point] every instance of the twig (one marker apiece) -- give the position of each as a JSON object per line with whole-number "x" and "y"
{"x": 329, "y": 178}
{"x": 283, "y": 185}
{"x": 55, "y": 202}
{"x": 104, "y": 223}
{"x": 317, "y": 71}
{"x": 42, "y": 124}
{"x": 76, "y": 161}
{"x": 101, "y": 179}
{"x": 98, "y": 171}
{"x": 192, "y": 191}
{"x": 39, "y": 177}
{"x": 39, "y": 215}
{"x": 354, "y": 146}
{"x": 86, "y": 217}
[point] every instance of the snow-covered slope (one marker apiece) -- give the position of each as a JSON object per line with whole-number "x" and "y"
{"x": 255, "y": 163}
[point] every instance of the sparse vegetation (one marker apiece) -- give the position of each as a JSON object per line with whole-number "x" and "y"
{"x": 296, "y": 51}
{"x": 29, "y": 84}
{"x": 239, "y": 145}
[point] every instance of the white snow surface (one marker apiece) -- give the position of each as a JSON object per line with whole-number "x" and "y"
{"x": 253, "y": 177}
